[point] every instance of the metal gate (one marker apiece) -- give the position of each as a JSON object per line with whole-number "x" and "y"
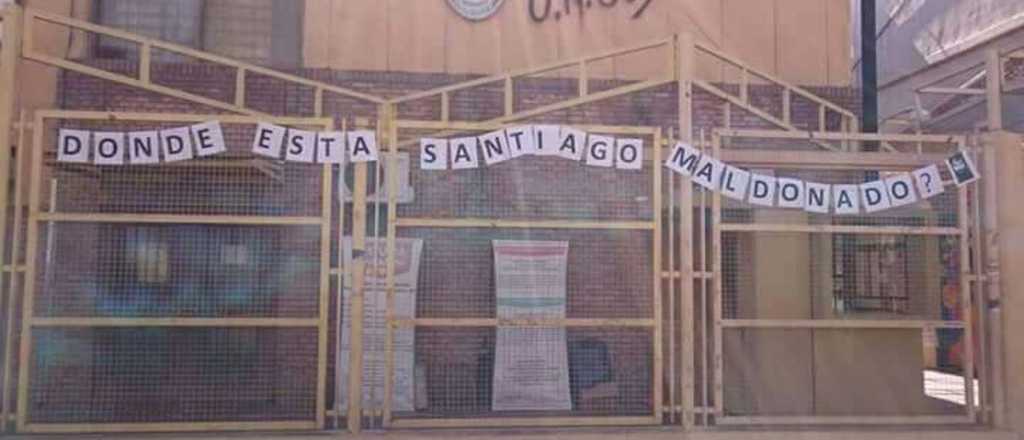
{"x": 189, "y": 296}
{"x": 611, "y": 221}
{"x": 821, "y": 319}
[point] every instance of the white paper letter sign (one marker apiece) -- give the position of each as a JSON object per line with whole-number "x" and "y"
{"x": 301, "y": 146}
{"x": 73, "y": 146}
{"x": 433, "y": 154}
{"x": 362, "y": 146}
{"x": 929, "y": 182}
{"x": 791, "y": 193}
{"x": 901, "y": 190}
{"x": 209, "y": 138}
{"x": 600, "y": 151}
{"x": 874, "y": 196}
{"x": 846, "y": 199}
{"x": 545, "y": 140}
{"x": 962, "y": 169}
{"x": 464, "y": 153}
{"x": 818, "y": 195}
{"x": 684, "y": 159}
{"x": 175, "y": 143}
{"x": 762, "y": 190}
{"x": 330, "y": 147}
{"x": 268, "y": 140}
{"x": 571, "y": 143}
{"x": 143, "y": 147}
{"x": 709, "y": 173}
{"x": 735, "y": 182}
{"x": 109, "y": 148}
{"x": 629, "y": 154}
{"x": 520, "y": 140}
{"x": 494, "y": 147}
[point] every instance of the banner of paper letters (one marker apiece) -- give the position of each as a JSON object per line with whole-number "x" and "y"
{"x": 207, "y": 139}
{"x": 898, "y": 190}
{"x": 536, "y": 140}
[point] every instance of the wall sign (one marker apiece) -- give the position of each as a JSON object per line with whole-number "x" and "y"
{"x": 475, "y": 10}
{"x": 541, "y": 10}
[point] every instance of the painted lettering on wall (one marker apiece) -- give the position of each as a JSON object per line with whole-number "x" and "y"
{"x": 542, "y": 10}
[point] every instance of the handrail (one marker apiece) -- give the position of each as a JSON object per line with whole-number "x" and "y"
{"x": 544, "y": 68}
{"x": 771, "y": 78}
{"x": 146, "y": 45}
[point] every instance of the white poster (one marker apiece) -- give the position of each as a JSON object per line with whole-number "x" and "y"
{"x": 209, "y": 138}
{"x": 520, "y": 140}
{"x": 362, "y": 146}
{"x": 143, "y": 147}
{"x": 301, "y": 146}
{"x": 407, "y": 266}
{"x": 268, "y": 139}
{"x": 846, "y": 199}
{"x": 762, "y": 190}
{"x": 545, "y": 140}
{"x": 494, "y": 147}
{"x": 600, "y": 151}
{"x": 901, "y": 189}
{"x": 818, "y": 197}
{"x": 464, "y": 153}
{"x": 791, "y": 192}
{"x": 735, "y": 182}
{"x": 531, "y": 365}
{"x": 109, "y": 148}
{"x": 330, "y": 147}
{"x": 629, "y": 154}
{"x": 684, "y": 159}
{"x": 571, "y": 143}
{"x": 433, "y": 154}
{"x": 176, "y": 144}
{"x": 73, "y": 146}
{"x": 929, "y": 181}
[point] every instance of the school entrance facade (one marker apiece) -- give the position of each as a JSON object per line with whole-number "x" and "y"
{"x": 243, "y": 293}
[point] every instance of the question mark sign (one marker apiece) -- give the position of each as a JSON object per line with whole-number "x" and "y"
{"x": 927, "y": 181}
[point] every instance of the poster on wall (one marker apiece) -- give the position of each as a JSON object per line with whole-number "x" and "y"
{"x": 531, "y": 365}
{"x": 407, "y": 264}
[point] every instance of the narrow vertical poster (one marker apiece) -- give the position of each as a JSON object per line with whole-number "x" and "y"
{"x": 531, "y": 364}
{"x": 407, "y": 264}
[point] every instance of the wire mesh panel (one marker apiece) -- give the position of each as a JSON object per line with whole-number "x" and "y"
{"x": 609, "y": 220}
{"x": 184, "y": 295}
{"x": 851, "y": 311}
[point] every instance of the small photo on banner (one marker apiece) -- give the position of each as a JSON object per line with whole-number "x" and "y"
{"x": 762, "y": 190}
{"x": 143, "y": 147}
{"x": 901, "y": 190}
{"x": 709, "y": 173}
{"x": 818, "y": 197}
{"x": 735, "y": 182}
{"x": 362, "y": 146}
{"x": 571, "y": 143}
{"x": 208, "y": 138}
{"x": 600, "y": 151}
{"x": 545, "y": 140}
{"x": 330, "y": 147}
{"x": 520, "y": 140}
{"x": 629, "y": 154}
{"x": 791, "y": 193}
{"x": 268, "y": 139}
{"x": 874, "y": 196}
{"x": 846, "y": 199}
{"x": 494, "y": 147}
{"x": 962, "y": 168}
{"x": 301, "y": 146}
{"x": 684, "y": 159}
{"x": 176, "y": 144}
{"x": 433, "y": 154}
{"x": 929, "y": 181}
{"x": 464, "y": 153}
{"x": 109, "y": 148}
{"x": 73, "y": 146}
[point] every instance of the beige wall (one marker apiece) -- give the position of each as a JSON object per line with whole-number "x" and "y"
{"x": 802, "y": 41}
